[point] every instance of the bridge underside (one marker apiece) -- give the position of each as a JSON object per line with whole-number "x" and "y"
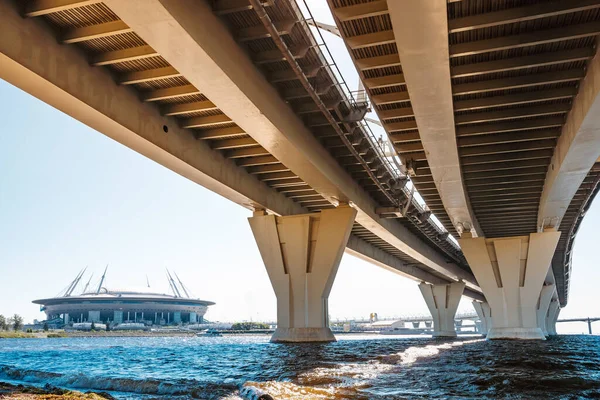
{"x": 230, "y": 130}
{"x": 493, "y": 104}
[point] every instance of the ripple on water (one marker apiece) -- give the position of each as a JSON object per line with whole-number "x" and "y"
{"x": 360, "y": 368}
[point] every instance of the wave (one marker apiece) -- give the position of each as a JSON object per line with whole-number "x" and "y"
{"x": 182, "y": 387}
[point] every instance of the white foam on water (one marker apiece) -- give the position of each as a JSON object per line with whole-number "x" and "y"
{"x": 412, "y": 354}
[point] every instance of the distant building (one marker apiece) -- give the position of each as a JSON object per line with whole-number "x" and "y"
{"x": 115, "y": 307}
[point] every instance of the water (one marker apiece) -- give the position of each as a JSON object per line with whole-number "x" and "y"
{"x": 365, "y": 367}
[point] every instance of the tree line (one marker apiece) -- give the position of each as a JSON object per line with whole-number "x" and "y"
{"x": 15, "y": 322}
{"x": 246, "y": 326}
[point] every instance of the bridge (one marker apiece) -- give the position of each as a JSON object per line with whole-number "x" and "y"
{"x": 490, "y": 107}
{"x": 588, "y": 320}
{"x": 472, "y": 316}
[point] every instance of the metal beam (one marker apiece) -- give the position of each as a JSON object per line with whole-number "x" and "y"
{"x": 404, "y": 137}
{"x": 247, "y": 152}
{"x": 227, "y": 144}
{"x": 364, "y": 64}
{"x": 501, "y": 173}
{"x": 512, "y": 113}
{"x": 265, "y": 169}
{"x": 273, "y": 176}
{"x": 389, "y": 98}
{"x": 272, "y": 56}
{"x": 513, "y": 99}
{"x": 507, "y": 147}
{"x": 512, "y": 126}
{"x": 370, "y": 39}
{"x": 408, "y": 147}
{"x": 385, "y": 81}
{"x": 185, "y": 108}
{"x": 400, "y": 126}
{"x": 526, "y": 39}
{"x": 119, "y": 56}
{"x": 519, "y": 82}
{"x": 256, "y": 161}
{"x": 37, "y": 8}
{"x": 169, "y": 93}
{"x": 219, "y": 133}
{"x": 95, "y": 32}
{"x": 290, "y": 75}
{"x": 359, "y": 11}
{"x": 148, "y": 75}
{"x": 510, "y": 137}
{"x": 401, "y": 112}
{"x": 224, "y": 7}
{"x": 279, "y": 183}
{"x": 507, "y": 157}
{"x": 475, "y": 170}
{"x": 259, "y": 31}
{"x": 517, "y": 63}
{"x": 520, "y": 14}
{"x": 200, "y": 122}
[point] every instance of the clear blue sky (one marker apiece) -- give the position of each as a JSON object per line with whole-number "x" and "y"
{"x": 71, "y": 197}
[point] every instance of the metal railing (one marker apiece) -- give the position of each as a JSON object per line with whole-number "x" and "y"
{"x": 348, "y": 97}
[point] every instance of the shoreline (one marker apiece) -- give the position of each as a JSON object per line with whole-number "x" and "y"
{"x": 76, "y": 334}
{"x": 48, "y": 392}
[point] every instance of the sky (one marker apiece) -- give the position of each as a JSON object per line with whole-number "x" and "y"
{"x": 70, "y": 197}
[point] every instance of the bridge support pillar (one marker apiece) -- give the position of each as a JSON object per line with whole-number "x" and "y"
{"x": 543, "y": 306}
{"x": 442, "y": 301}
{"x": 511, "y": 272}
{"x": 552, "y": 316}
{"x": 485, "y": 316}
{"x": 302, "y": 254}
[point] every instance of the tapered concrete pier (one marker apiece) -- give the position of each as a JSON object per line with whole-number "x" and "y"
{"x": 302, "y": 254}
{"x": 552, "y": 316}
{"x": 485, "y": 315}
{"x": 543, "y": 306}
{"x": 442, "y": 301}
{"x": 511, "y": 272}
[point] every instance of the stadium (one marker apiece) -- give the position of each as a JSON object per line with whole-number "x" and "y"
{"x": 101, "y": 305}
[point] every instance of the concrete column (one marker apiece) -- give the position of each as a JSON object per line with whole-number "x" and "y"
{"x": 485, "y": 316}
{"x": 442, "y": 301}
{"x": 511, "y": 272}
{"x": 543, "y": 306}
{"x": 302, "y": 254}
{"x": 552, "y": 316}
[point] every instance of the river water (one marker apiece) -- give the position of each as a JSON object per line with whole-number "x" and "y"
{"x": 355, "y": 367}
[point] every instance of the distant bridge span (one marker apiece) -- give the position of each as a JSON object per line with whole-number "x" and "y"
{"x": 497, "y": 131}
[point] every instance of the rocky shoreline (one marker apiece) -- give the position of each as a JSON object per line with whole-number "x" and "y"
{"x": 48, "y": 392}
